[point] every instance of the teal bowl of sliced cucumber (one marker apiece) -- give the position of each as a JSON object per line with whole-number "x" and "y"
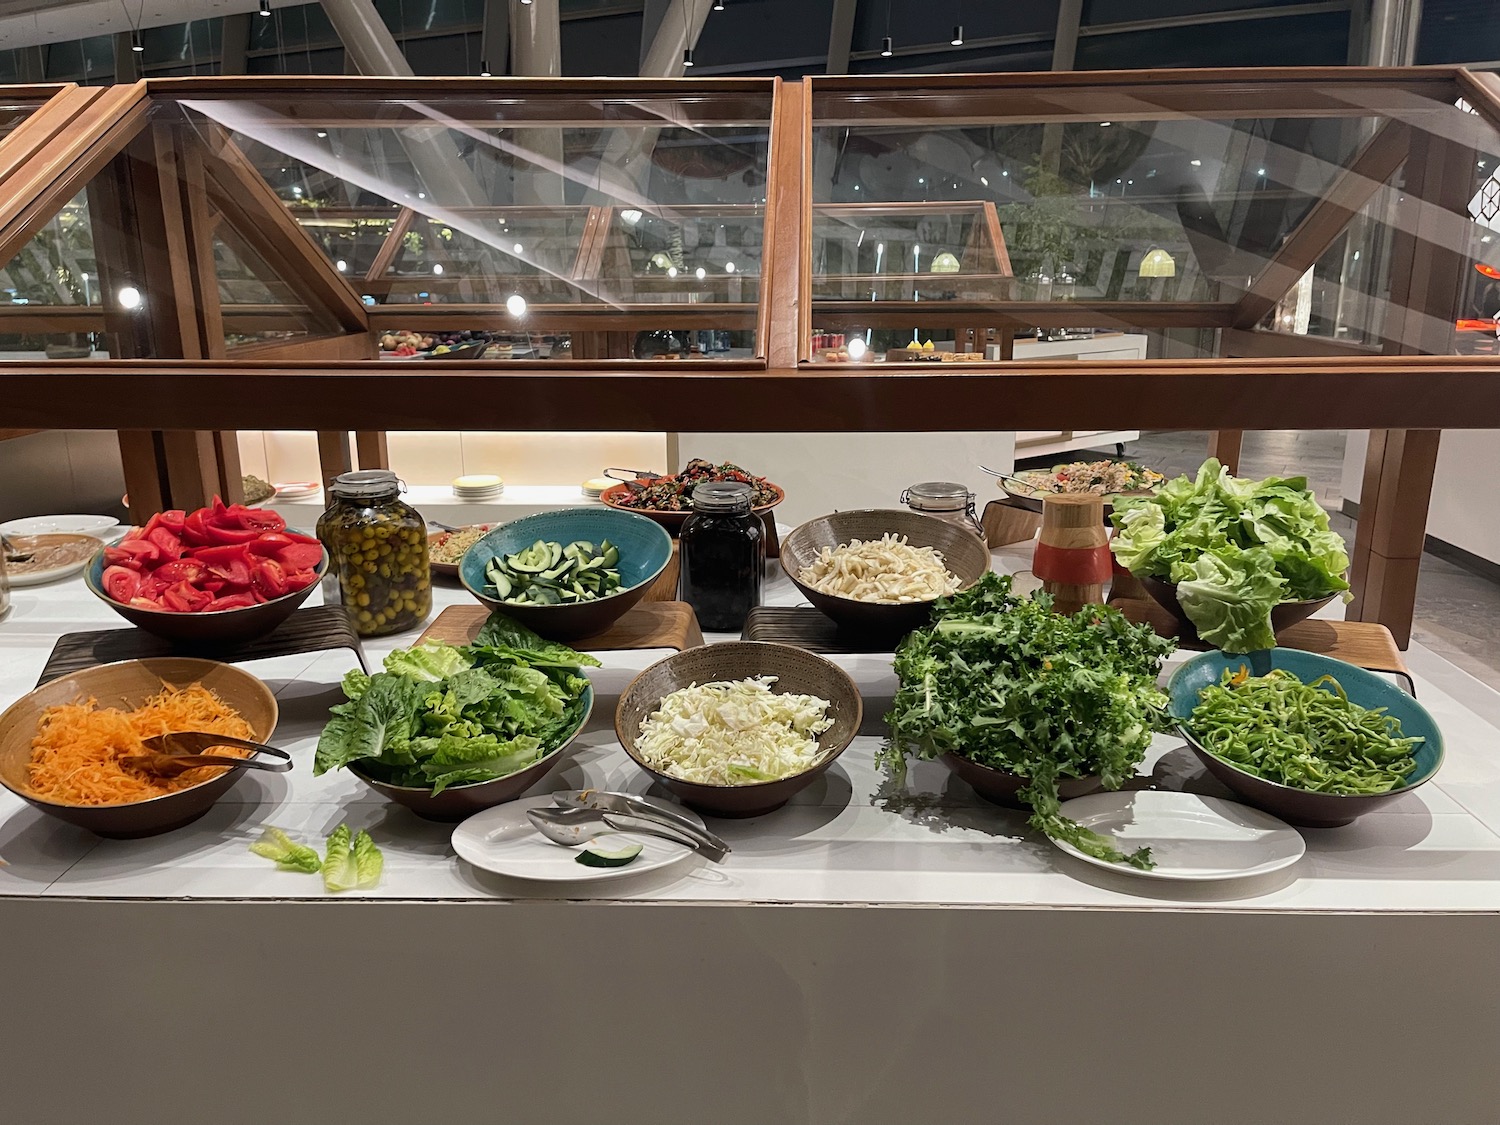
{"x": 567, "y": 574}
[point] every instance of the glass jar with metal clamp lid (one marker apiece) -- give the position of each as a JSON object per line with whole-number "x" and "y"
{"x": 947, "y": 501}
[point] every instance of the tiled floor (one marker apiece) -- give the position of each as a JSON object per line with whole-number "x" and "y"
{"x": 1457, "y": 611}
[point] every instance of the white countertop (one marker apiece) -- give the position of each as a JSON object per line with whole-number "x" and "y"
{"x": 843, "y": 840}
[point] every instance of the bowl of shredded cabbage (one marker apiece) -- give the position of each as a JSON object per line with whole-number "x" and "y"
{"x": 880, "y": 571}
{"x": 738, "y": 729}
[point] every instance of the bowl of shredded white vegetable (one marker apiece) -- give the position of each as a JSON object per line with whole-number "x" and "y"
{"x": 737, "y": 729}
{"x": 880, "y": 571}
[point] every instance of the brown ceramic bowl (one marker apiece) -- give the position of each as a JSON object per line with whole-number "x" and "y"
{"x": 672, "y": 521}
{"x": 963, "y": 552}
{"x": 1283, "y": 616}
{"x": 1001, "y": 787}
{"x": 796, "y": 670}
{"x": 459, "y": 802}
{"x": 127, "y": 685}
{"x": 224, "y": 627}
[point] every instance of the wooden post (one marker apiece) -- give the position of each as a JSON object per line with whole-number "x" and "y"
{"x": 1225, "y": 445}
{"x": 372, "y": 449}
{"x": 334, "y": 454}
{"x": 1426, "y": 287}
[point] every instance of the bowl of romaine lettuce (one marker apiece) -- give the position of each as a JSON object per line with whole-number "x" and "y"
{"x": 448, "y": 731}
{"x": 1234, "y": 560}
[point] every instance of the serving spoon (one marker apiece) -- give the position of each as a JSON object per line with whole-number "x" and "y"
{"x": 572, "y": 827}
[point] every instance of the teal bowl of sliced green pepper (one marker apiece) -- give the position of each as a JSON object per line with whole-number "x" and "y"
{"x": 1313, "y": 740}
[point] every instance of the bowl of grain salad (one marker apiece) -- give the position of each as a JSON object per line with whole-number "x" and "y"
{"x": 445, "y": 549}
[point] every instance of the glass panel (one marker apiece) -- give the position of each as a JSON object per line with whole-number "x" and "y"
{"x": 581, "y": 222}
{"x": 257, "y": 304}
{"x": 57, "y": 266}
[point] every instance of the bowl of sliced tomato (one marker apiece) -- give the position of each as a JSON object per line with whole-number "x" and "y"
{"x": 221, "y": 574}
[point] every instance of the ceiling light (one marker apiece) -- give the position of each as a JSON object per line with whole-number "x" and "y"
{"x": 921, "y": 179}
{"x": 484, "y": 68}
{"x": 700, "y": 273}
{"x": 526, "y": 3}
{"x": 718, "y": 5}
{"x": 1486, "y": 238}
{"x": 130, "y": 297}
{"x": 341, "y": 265}
{"x": 886, "y": 50}
{"x": 1158, "y": 263}
{"x": 265, "y": 7}
{"x": 515, "y": 304}
{"x": 438, "y": 269}
{"x": 135, "y": 42}
{"x": 1260, "y": 171}
{"x": 728, "y": 267}
{"x": 1196, "y": 163}
{"x": 321, "y": 134}
{"x": 985, "y": 180}
{"x": 1005, "y": 173}
{"x": 856, "y": 348}
{"x": 1105, "y": 124}
{"x": 671, "y": 271}
{"x": 517, "y": 248}
{"x": 958, "y": 35}
{"x": 687, "y": 56}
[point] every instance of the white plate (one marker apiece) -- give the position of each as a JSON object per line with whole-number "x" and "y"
{"x": 51, "y": 574}
{"x": 96, "y": 526}
{"x": 297, "y": 490}
{"x": 504, "y": 840}
{"x": 1191, "y": 837}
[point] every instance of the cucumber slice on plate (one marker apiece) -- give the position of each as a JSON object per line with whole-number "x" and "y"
{"x": 596, "y": 855}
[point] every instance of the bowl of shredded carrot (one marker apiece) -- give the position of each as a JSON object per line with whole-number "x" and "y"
{"x": 62, "y": 747}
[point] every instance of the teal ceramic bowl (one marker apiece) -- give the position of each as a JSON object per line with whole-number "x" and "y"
{"x": 645, "y": 550}
{"x": 1298, "y": 806}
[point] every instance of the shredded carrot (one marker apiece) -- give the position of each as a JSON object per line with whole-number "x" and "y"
{"x": 75, "y": 756}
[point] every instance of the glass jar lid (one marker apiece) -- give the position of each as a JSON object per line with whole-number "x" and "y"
{"x": 938, "y": 496}
{"x": 366, "y": 484}
{"x": 722, "y": 496}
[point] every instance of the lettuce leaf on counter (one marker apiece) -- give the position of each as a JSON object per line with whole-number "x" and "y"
{"x": 286, "y": 853}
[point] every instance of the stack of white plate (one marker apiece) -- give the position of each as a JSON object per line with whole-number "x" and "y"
{"x": 478, "y": 488}
{"x": 595, "y": 487}
{"x": 297, "y": 490}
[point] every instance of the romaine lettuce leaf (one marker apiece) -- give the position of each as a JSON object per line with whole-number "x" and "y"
{"x": 502, "y": 638}
{"x": 433, "y": 660}
{"x": 353, "y": 861}
{"x": 276, "y": 845}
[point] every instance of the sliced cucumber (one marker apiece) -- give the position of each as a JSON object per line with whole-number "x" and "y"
{"x": 548, "y": 573}
{"x": 595, "y": 855}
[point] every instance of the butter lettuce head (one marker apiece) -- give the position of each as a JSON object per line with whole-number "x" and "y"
{"x": 1252, "y": 531}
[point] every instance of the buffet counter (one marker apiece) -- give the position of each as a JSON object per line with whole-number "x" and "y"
{"x": 761, "y": 990}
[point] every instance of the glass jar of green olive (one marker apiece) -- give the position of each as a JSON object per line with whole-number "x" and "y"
{"x": 378, "y": 544}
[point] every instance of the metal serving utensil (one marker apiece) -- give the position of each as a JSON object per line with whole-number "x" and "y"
{"x": 629, "y": 805}
{"x": 12, "y": 552}
{"x": 572, "y": 827}
{"x": 182, "y": 750}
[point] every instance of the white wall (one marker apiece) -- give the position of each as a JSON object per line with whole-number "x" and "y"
{"x": 60, "y": 471}
{"x": 1465, "y": 508}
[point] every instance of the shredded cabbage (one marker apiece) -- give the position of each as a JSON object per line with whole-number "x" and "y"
{"x": 734, "y": 732}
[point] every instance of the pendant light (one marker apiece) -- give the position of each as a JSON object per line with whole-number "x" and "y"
{"x": 265, "y": 7}
{"x": 885, "y": 48}
{"x": 718, "y": 5}
{"x": 687, "y": 56}
{"x": 958, "y": 35}
{"x": 135, "y": 41}
{"x": 484, "y": 69}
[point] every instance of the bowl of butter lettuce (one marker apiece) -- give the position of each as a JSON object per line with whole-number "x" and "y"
{"x": 1234, "y": 560}
{"x": 449, "y": 730}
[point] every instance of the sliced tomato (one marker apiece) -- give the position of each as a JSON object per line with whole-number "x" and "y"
{"x": 143, "y": 550}
{"x": 173, "y": 519}
{"x": 190, "y": 571}
{"x": 195, "y": 528}
{"x": 139, "y": 602}
{"x": 300, "y": 580}
{"x": 257, "y": 519}
{"x": 231, "y": 563}
{"x": 217, "y": 510}
{"x": 120, "y": 583}
{"x": 271, "y": 543}
{"x": 168, "y": 543}
{"x": 300, "y": 556}
{"x": 269, "y": 579}
{"x": 226, "y": 534}
{"x": 183, "y": 598}
{"x": 114, "y": 556}
{"x": 298, "y": 537}
{"x": 232, "y": 601}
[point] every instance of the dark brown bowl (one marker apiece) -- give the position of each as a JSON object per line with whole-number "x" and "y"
{"x": 796, "y": 670}
{"x": 128, "y": 684}
{"x": 1283, "y": 616}
{"x": 226, "y": 626}
{"x": 1001, "y": 787}
{"x": 459, "y": 802}
{"x": 449, "y": 570}
{"x": 963, "y": 552}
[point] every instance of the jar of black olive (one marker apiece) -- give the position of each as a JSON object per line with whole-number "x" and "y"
{"x": 378, "y": 547}
{"x": 723, "y": 556}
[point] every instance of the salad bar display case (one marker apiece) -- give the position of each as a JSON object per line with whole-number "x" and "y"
{"x": 989, "y": 826}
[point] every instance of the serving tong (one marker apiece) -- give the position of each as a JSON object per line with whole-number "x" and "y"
{"x": 580, "y": 813}
{"x": 13, "y": 554}
{"x": 172, "y": 753}
{"x": 630, "y": 476}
